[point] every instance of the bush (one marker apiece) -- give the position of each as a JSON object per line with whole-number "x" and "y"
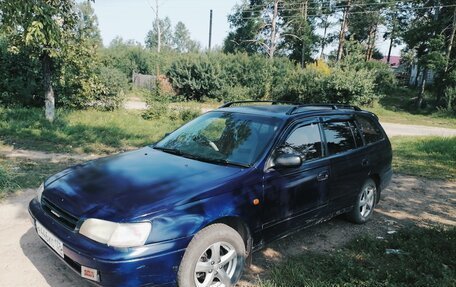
{"x": 112, "y": 90}
{"x": 156, "y": 110}
{"x": 236, "y": 93}
{"x": 20, "y": 78}
{"x": 189, "y": 114}
{"x": 195, "y": 78}
{"x": 348, "y": 86}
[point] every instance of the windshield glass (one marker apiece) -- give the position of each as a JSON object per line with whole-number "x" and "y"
{"x": 221, "y": 137}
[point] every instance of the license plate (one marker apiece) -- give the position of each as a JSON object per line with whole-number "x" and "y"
{"x": 50, "y": 239}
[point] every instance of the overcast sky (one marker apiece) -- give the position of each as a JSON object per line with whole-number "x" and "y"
{"x": 132, "y": 19}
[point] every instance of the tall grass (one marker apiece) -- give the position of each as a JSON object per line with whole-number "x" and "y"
{"x": 81, "y": 131}
{"x": 425, "y": 257}
{"x": 433, "y": 157}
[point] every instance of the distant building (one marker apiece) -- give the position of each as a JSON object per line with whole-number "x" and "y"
{"x": 394, "y": 62}
{"x": 416, "y": 76}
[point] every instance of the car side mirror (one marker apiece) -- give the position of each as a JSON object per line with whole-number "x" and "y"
{"x": 288, "y": 160}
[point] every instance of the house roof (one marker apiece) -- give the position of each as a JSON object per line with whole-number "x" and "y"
{"x": 395, "y": 61}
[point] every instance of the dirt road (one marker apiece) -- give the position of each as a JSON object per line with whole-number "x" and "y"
{"x": 26, "y": 261}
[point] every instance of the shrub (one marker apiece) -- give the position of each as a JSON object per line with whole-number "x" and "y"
{"x": 156, "y": 110}
{"x": 349, "y": 86}
{"x": 195, "y": 78}
{"x": 112, "y": 90}
{"x": 236, "y": 93}
{"x": 189, "y": 114}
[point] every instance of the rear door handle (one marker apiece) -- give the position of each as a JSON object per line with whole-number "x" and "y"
{"x": 365, "y": 162}
{"x": 322, "y": 176}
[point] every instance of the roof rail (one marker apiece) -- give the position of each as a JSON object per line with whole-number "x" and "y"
{"x": 294, "y": 110}
{"x": 229, "y": 104}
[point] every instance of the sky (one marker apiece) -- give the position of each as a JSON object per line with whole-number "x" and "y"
{"x": 132, "y": 19}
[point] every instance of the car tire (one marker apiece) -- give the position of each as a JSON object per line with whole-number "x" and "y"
{"x": 365, "y": 203}
{"x": 201, "y": 253}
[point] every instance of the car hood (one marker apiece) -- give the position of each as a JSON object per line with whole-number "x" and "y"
{"x": 134, "y": 184}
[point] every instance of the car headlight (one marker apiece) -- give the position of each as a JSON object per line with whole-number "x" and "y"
{"x": 39, "y": 192}
{"x": 116, "y": 234}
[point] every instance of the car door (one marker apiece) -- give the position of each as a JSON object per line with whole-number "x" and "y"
{"x": 349, "y": 164}
{"x": 294, "y": 197}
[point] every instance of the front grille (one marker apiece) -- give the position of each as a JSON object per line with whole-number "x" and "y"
{"x": 59, "y": 214}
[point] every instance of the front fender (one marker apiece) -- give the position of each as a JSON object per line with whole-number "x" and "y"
{"x": 186, "y": 220}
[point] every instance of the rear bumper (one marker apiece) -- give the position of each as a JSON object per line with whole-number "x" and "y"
{"x": 150, "y": 265}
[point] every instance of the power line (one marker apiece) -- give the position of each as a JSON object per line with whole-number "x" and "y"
{"x": 352, "y": 12}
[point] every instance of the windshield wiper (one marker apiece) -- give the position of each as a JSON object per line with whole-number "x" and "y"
{"x": 216, "y": 160}
{"x": 169, "y": 150}
{"x": 195, "y": 157}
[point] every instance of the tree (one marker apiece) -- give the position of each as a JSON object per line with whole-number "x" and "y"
{"x": 43, "y": 26}
{"x": 364, "y": 18}
{"x": 87, "y": 25}
{"x": 300, "y": 41}
{"x": 248, "y": 25}
{"x": 182, "y": 41}
{"x": 165, "y": 29}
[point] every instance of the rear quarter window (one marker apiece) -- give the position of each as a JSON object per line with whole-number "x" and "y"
{"x": 370, "y": 129}
{"x": 339, "y": 137}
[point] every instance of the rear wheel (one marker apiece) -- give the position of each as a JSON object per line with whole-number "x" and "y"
{"x": 214, "y": 258}
{"x": 365, "y": 203}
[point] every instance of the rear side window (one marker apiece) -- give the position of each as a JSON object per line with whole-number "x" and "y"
{"x": 370, "y": 130}
{"x": 339, "y": 137}
{"x": 305, "y": 141}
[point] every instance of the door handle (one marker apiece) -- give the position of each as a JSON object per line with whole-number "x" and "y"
{"x": 322, "y": 176}
{"x": 365, "y": 162}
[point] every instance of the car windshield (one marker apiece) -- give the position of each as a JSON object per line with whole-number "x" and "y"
{"x": 222, "y": 138}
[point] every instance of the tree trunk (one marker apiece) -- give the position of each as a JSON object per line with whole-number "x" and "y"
{"x": 303, "y": 50}
{"x": 274, "y": 29}
{"x": 415, "y": 81}
{"x": 49, "y": 98}
{"x": 450, "y": 43}
{"x": 419, "y": 101}
{"x": 390, "y": 48}
{"x": 343, "y": 28}
{"x": 323, "y": 40}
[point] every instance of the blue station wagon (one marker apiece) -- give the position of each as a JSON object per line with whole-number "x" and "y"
{"x": 190, "y": 209}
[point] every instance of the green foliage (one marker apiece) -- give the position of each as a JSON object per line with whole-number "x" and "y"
{"x": 427, "y": 259}
{"x": 20, "y": 78}
{"x": 349, "y": 86}
{"x": 111, "y": 94}
{"x": 195, "y": 77}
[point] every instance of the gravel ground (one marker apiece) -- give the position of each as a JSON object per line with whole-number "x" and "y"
{"x": 26, "y": 261}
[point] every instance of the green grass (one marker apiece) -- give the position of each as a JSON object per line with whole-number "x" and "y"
{"x": 432, "y": 157}
{"x": 17, "y": 174}
{"x": 81, "y": 131}
{"x": 398, "y": 107}
{"x": 427, "y": 258}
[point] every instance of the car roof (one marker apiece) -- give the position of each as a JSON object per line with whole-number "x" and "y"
{"x": 286, "y": 110}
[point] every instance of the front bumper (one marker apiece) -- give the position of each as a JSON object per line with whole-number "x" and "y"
{"x": 150, "y": 265}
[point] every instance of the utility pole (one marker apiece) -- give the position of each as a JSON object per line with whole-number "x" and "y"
{"x": 210, "y": 30}
{"x": 343, "y": 28}
{"x": 157, "y": 23}
{"x": 304, "y": 16}
{"x": 274, "y": 29}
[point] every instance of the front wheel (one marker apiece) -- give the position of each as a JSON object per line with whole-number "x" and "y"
{"x": 365, "y": 203}
{"x": 214, "y": 257}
